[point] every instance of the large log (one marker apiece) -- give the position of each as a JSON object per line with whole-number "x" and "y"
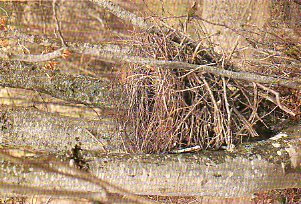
{"x": 251, "y": 168}
{"x": 80, "y": 89}
{"x": 48, "y": 132}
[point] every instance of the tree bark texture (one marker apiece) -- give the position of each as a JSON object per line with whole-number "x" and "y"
{"x": 42, "y": 131}
{"x": 80, "y": 89}
{"x": 251, "y": 168}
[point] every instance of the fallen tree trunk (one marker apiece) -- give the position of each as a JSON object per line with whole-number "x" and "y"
{"x": 43, "y": 131}
{"x": 16, "y": 97}
{"x": 272, "y": 164}
{"x": 251, "y": 168}
{"x": 105, "y": 192}
{"x": 85, "y": 90}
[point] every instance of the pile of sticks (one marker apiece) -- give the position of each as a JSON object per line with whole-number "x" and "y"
{"x": 174, "y": 108}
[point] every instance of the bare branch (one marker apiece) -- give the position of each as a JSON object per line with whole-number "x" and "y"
{"x": 124, "y": 14}
{"x": 276, "y": 100}
{"x": 33, "y": 58}
{"x": 30, "y": 190}
{"x": 58, "y": 27}
{"x": 116, "y": 52}
{"x": 139, "y": 22}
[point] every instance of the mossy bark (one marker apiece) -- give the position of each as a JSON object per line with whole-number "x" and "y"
{"x": 80, "y": 89}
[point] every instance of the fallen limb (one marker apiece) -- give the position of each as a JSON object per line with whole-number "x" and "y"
{"x": 117, "y": 52}
{"x": 13, "y": 189}
{"x": 251, "y": 168}
{"x": 33, "y": 58}
{"x": 59, "y": 169}
{"x": 54, "y": 133}
{"x": 16, "y": 97}
{"x": 123, "y": 53}
{"x": 80, "y": 89}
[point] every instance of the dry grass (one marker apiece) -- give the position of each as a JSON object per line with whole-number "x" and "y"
{"x": 292, "y": 195}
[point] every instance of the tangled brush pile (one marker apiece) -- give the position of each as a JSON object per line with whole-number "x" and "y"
{"x": 177, "y": 108}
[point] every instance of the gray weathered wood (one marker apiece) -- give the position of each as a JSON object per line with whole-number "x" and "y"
{"x": 251, "y": 168}
{"x": 54, "y": 133}
{"x": 80, "y": 89}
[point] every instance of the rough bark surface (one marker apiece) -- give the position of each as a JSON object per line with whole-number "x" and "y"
{"x": 85, "y": 90}
{"x": 54, "y": 133}
{"x": 250, "y": 168}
